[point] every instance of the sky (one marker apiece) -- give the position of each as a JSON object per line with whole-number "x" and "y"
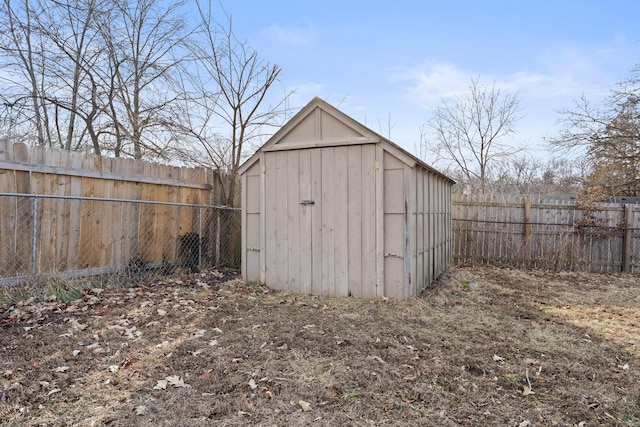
{"x": 390, "y": 64}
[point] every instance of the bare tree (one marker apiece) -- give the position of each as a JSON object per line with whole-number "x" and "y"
{"x": 145, "y": 40}
{"x": 133, "y": 78}
{"x": 77, "y": 89}
{"x": 608, "y": 137}
{"x": 231, "y": 100}
{"x": 22, "y": 48}
{"x": 469, "y": 131}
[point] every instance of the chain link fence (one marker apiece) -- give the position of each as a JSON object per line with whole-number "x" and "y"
{"x": 125, "y": 241}
{"x": 543, "y": 233}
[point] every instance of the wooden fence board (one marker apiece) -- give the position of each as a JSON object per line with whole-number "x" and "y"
{"x": 74, "y": 234}
{"x": 546, "y": 233}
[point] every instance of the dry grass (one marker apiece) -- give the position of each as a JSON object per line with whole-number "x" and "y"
{"x": 465, "y": 353}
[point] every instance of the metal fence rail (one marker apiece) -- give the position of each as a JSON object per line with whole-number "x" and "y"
{"x": 67, "y": 236}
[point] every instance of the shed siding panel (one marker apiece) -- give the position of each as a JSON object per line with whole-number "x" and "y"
{"x": 253, "y": 192}
{"x": 394, "y": 191}
{"x": 394, "y": 235}
{"x": 429, "y": 226}
{"x": 394, "y": 226}
{"x": 368, "y": 221}
{"x": 282, "y": 237}
{"x": 379, "y": 214}
{"x": 328, "y": 223}
{"x": 316, "y": 221}
{"x": 419, "y": 234}
{"x": 304, "y": 131}
{"x": 271, "y": 215}
{"x": 333, "y": 128}
{"x": 341, "y": 221}
{"x": 393, "y": 276}
{"x": 293, "y": 219}
{"x": 354, "y": 220}
{"x": 251, "y": 226}
{"x": 410, "y": 232}
{"x": 305, "y": 224}
{"x": 253, "y": 233}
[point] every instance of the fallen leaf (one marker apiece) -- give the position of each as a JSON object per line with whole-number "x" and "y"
{"x": 306, "y": 406}
{"x": 75, "y": 324}
{"x": 176, "y": 381}
{"x": 376, "y": 358}
{"x": 206, "y": 373}
{"x": 266, "y": 393}
{"x": 161, "y": 385}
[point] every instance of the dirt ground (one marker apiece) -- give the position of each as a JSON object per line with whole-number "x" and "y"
{"x": 483, "y": 346}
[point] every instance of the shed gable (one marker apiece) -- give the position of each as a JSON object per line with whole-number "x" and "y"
{"x": 319, "y": 127}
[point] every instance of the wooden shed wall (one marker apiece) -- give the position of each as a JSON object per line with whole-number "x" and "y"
{"x": 417, "y": 246}
{"x": 430, "y": 228}
{"x": 342, "y": 211}
{"x": 329, "y": 247}
{"x": 252, "y": 237}
{"x": 366, "y": 234}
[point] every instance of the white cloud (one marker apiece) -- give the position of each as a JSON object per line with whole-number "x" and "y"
{"x": 558, "y": 75}
{"x": 432, "y": 81}
{"x": 291, "y": 36}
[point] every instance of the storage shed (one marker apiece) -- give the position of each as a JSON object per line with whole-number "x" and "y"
{"x": 329, "y": 207}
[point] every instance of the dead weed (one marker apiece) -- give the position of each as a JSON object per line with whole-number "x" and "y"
{"x": 483, "y": 346}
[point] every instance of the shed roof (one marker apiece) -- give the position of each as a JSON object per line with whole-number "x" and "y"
{"x": 319, "y": 124}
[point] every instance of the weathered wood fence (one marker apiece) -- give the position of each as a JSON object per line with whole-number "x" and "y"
{"x": 80, "y": 214}
{"x": 551, "y": 233}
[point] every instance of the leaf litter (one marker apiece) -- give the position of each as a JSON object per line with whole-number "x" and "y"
{"x": 524, "y": 348}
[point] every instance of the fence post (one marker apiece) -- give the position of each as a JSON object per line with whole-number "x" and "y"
{"x": 34, "y": 238}
{"x": 200, "y": 237}
{"x": 218, "y": 237}
{"x": 626, "y": 239}
{"x": 526, "y": 241}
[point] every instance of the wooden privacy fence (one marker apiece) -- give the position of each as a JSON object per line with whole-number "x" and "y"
{"x": 536, "y": 232}
{"x": 64, "y": 213}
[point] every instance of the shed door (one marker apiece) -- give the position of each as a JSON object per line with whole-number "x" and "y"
{"x": 293, "y": 206}
{"x": 320, "y": 220}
